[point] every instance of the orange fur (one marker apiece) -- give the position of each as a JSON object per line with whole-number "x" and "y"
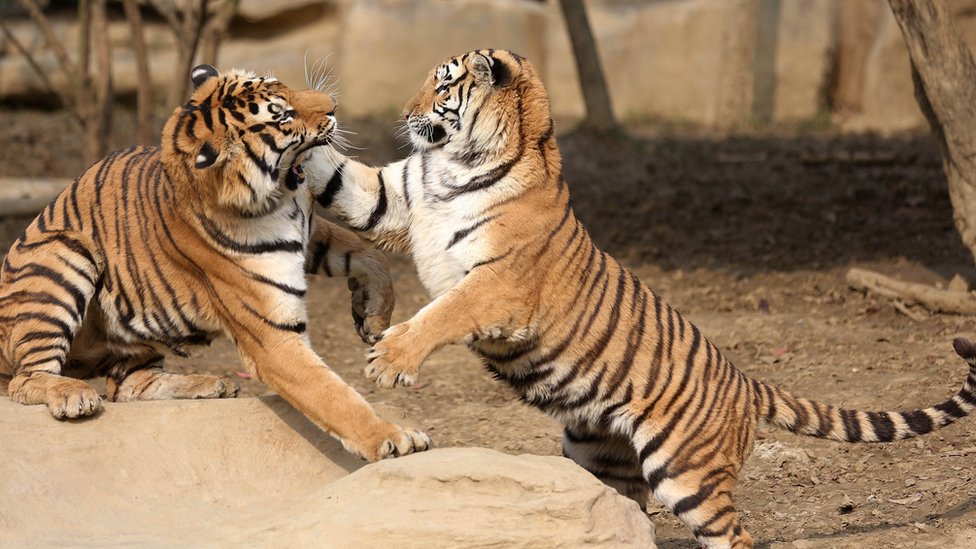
{"x": 153, "y": 250}
{"x": 648, "y": 403}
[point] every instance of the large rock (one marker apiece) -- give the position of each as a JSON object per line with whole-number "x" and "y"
{"x": 256, "y": 473}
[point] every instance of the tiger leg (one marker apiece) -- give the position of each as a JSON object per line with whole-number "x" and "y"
{"x": 137, "y": 378}
{"x": 335, "y": 251}
{"x": 610, "y": 458}
{"x": 285, "y": 362}
{"x": 466, "y": 310}
{"x": 702, "y": 499}
{"x": 49, "y": 279}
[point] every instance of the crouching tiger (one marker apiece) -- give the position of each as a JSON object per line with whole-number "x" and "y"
{"x": 155, "y": 249}
{"x": 648, "y": 403}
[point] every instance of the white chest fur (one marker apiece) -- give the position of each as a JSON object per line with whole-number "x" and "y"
{"x": 442, "y": 258}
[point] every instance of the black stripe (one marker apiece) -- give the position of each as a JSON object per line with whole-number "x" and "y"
{"x": 331, "y": 188}
{"x": 884, "y": 428}
{"x": 852, "y": 427}
{"x": 918, "y": 421}
{"x": 951, "y": 408}
{"x": 290, "y": 246}
{"x": 406, "y": 181}
{"x": 298, "y": 327}
{"x": 321, "y": 249}
{"x": 693, "y": 501}
{"x": 379, "y": 211}
{"x": 458, "y": 236}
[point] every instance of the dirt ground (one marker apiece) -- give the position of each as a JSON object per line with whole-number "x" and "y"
{"x": 750, "y": 238}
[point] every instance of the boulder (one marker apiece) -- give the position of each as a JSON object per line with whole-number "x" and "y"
{"x": 254, "y": 472}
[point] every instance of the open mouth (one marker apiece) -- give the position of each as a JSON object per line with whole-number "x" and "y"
{"x": 295, "y": 176}
{"x": 436, "y": 134}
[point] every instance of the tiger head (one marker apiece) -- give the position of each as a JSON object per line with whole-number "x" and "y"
{"x": 240, "y": 139}
{"x": 478, "y": 104}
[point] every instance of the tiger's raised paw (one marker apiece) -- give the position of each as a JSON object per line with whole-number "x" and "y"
{"x": 394, "y": 360}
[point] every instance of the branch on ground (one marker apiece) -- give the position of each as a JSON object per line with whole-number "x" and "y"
{"x": 954, "y": 299}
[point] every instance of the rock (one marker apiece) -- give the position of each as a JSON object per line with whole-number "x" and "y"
{"x": 475, "y": 497}
{"x": 255, "y": 472}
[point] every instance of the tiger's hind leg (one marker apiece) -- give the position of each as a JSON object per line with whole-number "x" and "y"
{"x": 48, "y": 280}
{"x": 139, "y": 378}
{"x": 701, "y": 498}
{"x": 610, "y": 458}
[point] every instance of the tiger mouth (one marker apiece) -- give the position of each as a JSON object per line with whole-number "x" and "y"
{"x": 295, "y": 176}
{"x": 436, "y": 134}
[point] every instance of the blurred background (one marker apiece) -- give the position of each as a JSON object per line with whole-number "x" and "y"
{"x": 721, "y": 64}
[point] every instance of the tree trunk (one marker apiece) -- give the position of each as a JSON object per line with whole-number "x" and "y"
{"x": 188, "y": 31}
{"x": 144, "y": 104}
{"x": 945, "y": 87}
{"x": 599, "y": 114}
{"x": 101, "y": 81}
{"x": 215, "y": 30}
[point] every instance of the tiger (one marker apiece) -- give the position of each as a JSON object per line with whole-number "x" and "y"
{"x": 649, "y": 405}
{"x": 154, "y": 250}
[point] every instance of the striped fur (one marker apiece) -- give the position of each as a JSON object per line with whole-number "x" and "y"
{"x": 648, "y": 403}
{"x": 155, "y": 249}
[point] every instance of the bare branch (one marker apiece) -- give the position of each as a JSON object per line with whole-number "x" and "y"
{"x": 144, "y": 81}
{"x": 42, "y": 23}
{"x": 168, "y": 10}
{"x": 40, "y": 72}
{"x": 216, "y": 29}
{"x": 84, "y": 38}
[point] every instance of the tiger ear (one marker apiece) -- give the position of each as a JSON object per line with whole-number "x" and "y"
{"x": 206, "y": 157}
{"x": 490, "y": 70}
{"x": 202, "y": 73}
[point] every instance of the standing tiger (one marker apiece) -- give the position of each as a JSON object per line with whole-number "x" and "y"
{"x": 648, "y": 403}
{"x": 154, "y": 249}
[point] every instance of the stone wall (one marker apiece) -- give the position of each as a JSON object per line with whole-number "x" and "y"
{"x": 662, "y": 58}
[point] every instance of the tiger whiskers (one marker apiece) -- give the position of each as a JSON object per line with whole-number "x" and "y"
{"x": 320, "y": 77}
{"x": 340, "y": 138}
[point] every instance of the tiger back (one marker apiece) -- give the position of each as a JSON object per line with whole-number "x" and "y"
{"x": 648, "y": 403}
{"x": 156, "y": 249}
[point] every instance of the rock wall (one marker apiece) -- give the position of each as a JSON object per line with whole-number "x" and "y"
{"x": 662, "y": 58}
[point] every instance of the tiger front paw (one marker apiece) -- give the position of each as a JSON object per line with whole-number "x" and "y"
{"x": 394, "y": 441}
{"x": 65, "y": 397}
{"x": 77, "y": 399}
{"x": 72, "y": 398}
{"x": 394, "y": 360}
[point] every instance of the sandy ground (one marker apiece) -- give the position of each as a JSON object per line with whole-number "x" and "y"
{"x": 750, "y": 238}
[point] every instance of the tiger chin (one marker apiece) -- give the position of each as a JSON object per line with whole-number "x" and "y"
{"x": 156, "y": 249}
{"x": 648, "y": 403}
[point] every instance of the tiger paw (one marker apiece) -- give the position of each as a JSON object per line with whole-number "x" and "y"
{"x": 406, "y": 441}
{"x": 394, "y": 441}
{"x": 372, "y": 307}
{"x": 72, "y": 398}
{"x": 394, "y": 360}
